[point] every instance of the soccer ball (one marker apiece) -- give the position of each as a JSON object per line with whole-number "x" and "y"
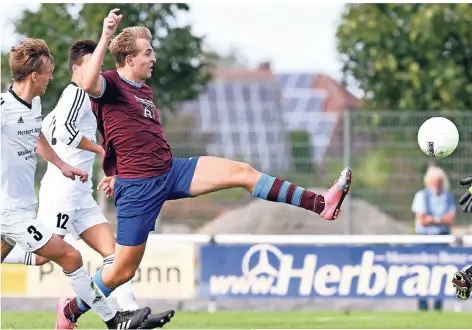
{"x": 438, "y": 137}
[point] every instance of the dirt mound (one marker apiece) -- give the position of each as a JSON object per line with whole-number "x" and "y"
{"x": 262, "y": 217}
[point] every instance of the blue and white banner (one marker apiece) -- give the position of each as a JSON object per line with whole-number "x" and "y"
{"x": 295, "y": 271}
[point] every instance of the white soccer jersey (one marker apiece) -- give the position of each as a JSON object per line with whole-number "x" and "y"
{"x": 64, "y": 127}
{"x": 20, "y": 128}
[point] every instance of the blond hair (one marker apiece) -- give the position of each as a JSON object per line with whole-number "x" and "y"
{"x": 124, "y": 44}
{"x": 436, "y": 172}
{"x": 27, "y": 57}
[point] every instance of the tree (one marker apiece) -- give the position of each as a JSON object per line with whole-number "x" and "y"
{"x": 178, "y": 74}
{"x": 408, "y": 56}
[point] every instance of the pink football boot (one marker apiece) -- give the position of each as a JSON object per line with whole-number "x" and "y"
{"x": 61, "y": 320}
{"x": 335, "y": 195}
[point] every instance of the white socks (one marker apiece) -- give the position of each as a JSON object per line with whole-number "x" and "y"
{"x": 81, "y": 283}
{"x": 20, "y": 256}
{"x": 90, "y": 293}
{"x": 124, "y": 293}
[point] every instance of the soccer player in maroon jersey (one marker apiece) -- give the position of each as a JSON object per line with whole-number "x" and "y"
{"x": 141, "y": 170}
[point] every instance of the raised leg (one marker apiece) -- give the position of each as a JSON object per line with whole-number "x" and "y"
{"x": 213, "y": 174}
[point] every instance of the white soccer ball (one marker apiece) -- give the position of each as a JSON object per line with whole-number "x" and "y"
{"x": 438, "y": 137}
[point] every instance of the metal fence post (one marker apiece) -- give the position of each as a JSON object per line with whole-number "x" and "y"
{"x": 347, "y": 214}
{"x": 459, "y": 241}
{"x": 212, "y": 305}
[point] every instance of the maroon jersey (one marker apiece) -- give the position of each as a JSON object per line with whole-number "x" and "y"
{"x": 132, "y": 134}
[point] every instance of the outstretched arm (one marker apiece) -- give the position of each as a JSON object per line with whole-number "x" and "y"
{"x": 48, "y": 153}
{"x": 93, "y": 83}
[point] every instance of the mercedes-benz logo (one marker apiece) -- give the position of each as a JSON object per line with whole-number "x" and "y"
{"x": 263, "y": 265}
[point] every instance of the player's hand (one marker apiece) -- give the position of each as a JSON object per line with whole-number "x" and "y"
{"x": 462, "y": 282}
{"x": 71, "y": 172}
{"x": 107, "y": 185}
{"x": 110, "y": 23}
{"x": 466, "y": 199}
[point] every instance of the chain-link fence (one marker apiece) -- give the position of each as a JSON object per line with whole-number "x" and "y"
{"x": 380, "y": 146}
{"x": 389, "y": 166}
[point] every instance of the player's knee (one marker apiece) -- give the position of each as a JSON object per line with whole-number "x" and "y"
{"x": 71, "y": 260}
{"x": 74, "y": 255}
{"x": 41, "y": 260}
{"x": 245, "y": 174}
{"x": 244, "y": 169}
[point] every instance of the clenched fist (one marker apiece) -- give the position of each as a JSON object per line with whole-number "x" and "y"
{"x": 110, "y": 23}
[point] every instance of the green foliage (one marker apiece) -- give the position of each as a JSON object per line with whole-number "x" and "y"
{"x": 5, "y": 73}
{"x": 408, "y": 56}
{"x": 301, "y": 151}
{"x": 178, "y": 73}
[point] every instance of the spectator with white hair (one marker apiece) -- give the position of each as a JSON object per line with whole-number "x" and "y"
{"x": 435, "y": 211}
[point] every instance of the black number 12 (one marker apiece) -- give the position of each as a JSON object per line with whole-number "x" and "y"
{"x": 62, "y": 224}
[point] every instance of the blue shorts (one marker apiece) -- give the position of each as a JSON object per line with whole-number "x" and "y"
{"x": 139, "y": 201}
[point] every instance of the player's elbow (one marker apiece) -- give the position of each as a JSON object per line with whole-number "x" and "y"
{"x": 92, "y": 86}
{"x": 89, "y": 85}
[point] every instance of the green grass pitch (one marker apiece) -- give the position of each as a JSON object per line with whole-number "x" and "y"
{"x": 267, "y": 320}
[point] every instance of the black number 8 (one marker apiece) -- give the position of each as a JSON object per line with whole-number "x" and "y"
{"x": 36, "y": 234}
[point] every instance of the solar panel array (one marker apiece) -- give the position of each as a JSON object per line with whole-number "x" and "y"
{"x": 295, "y": 81}
{"x": 246, "y": 121}
{"x": 249, "y": 120}
{"x": 303, "y": 110}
